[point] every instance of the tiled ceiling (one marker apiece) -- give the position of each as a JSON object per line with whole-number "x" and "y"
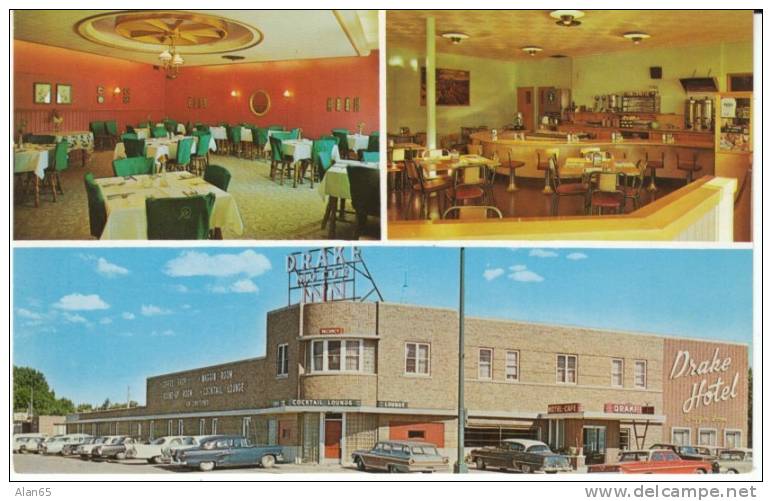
{"x": 501, "y": 34}
{"x": 288, "y": 35}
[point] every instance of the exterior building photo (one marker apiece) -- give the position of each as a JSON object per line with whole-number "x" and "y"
{"x": 339, "y": 376}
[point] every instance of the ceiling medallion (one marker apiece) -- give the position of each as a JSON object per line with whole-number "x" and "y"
{"x": 567, "y": 18}
{"x": 151, "y": 31}
{"x": 455, "y": 37}
{"x": 636, "y": 36}
{"x": 531, "y": 50}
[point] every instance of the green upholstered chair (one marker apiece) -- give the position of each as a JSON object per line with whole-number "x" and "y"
{"x": 344, "y": 131}
{"x": 200, "y": 158}
{"x": 128, "y": 135}
{"x": 112, "y": 129}
{"x": 333, "y": 138}
{"x": 371, "y": 156}
{"x": 321, "y": 156}
{"x": 61, "y": 162}
{"x": 278, "y": 160}
{"x": 145, "y": 125}
{"x": 365, "y": 194}
{"x": 134, "y": 147}
{"x": 342, "y": 142}
{"x": 202, "y": 127}
{"x": 130, "y": 129}
{"x": 100, "y": 133}
{"x": 171, "y": 126}
{"x": 275, "y": 127}
{"x": 374, "y": 142}
{"x": 234, "y": 137}
{"x": 97, "y": 214}
{"x": 218, "y": 176}
{"x": 259, "y": 139}
{"x": 159, "y": 131}
{"x": 295, "y": 133}
{"x": 184, "y": 154}
{"x": 135, "y": 166}
{"x": 183, "y": 218}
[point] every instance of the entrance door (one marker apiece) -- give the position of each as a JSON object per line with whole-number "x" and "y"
{"x": 525, "y": 106}
{"x": 594, "y": 438}
{"x": 333, "y": 431}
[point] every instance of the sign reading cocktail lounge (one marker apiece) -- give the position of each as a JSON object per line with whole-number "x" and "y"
{"x": 707, "y": 391}
{"x": 317, "y": 402}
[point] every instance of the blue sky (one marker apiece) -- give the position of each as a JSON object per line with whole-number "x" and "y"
{"x": 97, "y": 321}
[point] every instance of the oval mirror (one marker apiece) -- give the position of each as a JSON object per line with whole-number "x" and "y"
{"x": 260, "y": 103}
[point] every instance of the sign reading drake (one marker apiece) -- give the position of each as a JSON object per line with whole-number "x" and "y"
{"x": 716, "y": 383}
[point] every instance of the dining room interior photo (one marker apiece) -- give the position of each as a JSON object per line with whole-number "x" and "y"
{"x": 220, "y": 124}
{"x": 570, "y": 124}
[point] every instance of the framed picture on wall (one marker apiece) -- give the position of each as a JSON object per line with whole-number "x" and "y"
{"x": 41, "y": 93}
{"x": 63, "y": 93}
{"x": 452, "y": 87}
{"x": 338, "y": 104}
{"x": 329, "y": 104}
{"x": 356, "y": 104}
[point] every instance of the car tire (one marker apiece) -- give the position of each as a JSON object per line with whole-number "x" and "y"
{"x": 525, "y": 468}
{"x": 120, "y": 456}
{"x": 391, "y": 469}
{"x": 154, "y": 460}
{"x": 732, "y": 471}
{"x": 700, "y": 471}
{"x": 268, "y": 461}
{"x": 479, "y": 463}
{"x": 206, "y": 466}
{"x": 360, "y": 464}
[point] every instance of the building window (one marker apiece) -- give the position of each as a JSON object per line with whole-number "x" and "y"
{"x": 317, "y": 364}
{"x": 617, "y": 372}
{"x": 513, "y": 366}
{"x": 624, "y": 438}
{"x": 282, "y": 360}
{"x": 180, "y": 427}
{"x": 169, "y": 428}
{"x": 417, "y": 358}
{"x": 214, "y": 426}
{"x": 333, "y": 355}
{"x": 416, "y": 434}
{"x": 681, "y": 436}
{"x": 485, "y": 364}
{"x": 337, "y": 356}
{"x": 139, "y": 430}
{"x": 202, "y": 426}
{"x": 352, "y": 355}
{"x": 151, "y": 431}
{"x": 640, "y": 374}
{"x": 707, "y": 436}
{"x": 566, "y": 372}
{"x": 733, "y": 439}
{"x": 246, "y": 424}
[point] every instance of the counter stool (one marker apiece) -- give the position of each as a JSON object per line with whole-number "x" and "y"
{"x": 513, "y": 166}
{"x": 690, "y": 167}
{"x": 543, "y": 163}
{"x": 654, "y": 164}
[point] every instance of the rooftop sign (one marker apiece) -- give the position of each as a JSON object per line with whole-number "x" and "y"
{"x": 328, "y": 274}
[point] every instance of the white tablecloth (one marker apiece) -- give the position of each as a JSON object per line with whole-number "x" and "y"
{"x": 125, "y": 203}
{"x": 142, "y": 133}
{"x": 300, "y": 149}
{"x": 219, "y": 133}
{"x": 335, "y": 182}
{"x": 358, "y": 142}
{"x": 180, "y": 127}
{"x": 77, "y": 139}
{"x": 158, "y": 147}
{"x": 31, "y": 159}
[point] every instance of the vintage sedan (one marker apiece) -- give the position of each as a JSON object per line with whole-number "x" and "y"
{"x": 85, "y": 450}
{"x": 698, "y": 453}
{"x": 735, "y": 461}
{"x": 401, "y": 456}
{"x": 161, "y": 449}
{"x": 527, "y": 456}
{"x": 27, "y": 443}
{"x": 652, "y": 461}
{"x": 222, "y": 451}
{"x": 113, "y": 449}
{"x": 71, "y": 448}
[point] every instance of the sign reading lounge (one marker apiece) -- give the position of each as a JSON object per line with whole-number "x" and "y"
{"x": 713, "y": 388}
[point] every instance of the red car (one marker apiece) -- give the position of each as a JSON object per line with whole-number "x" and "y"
{"x": 651, "y": 461}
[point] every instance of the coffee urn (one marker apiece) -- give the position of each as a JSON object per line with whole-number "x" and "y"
{"x": 707, "y": 114}
{"x": 689, "y": 113}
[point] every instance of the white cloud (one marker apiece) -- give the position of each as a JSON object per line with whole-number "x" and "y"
{"x": 74, "y": 318}
{"x": 542, "y": 253}
{"x": 521, "y": 273}
{"x": 81, "y": 302}
{"x": 194, "y": 263}
{"x": 128, "y": 315}
{"x": 30, "y": 315}
{"x": 106, "y": 321}
{"x": 150, "y": 310}
{"x": 110, "y": 270}
{"x": 180, "y": 288}
{"x": 576, "y": 256}
{"x": 166, "y": 333}
{"x": 492, "y": 273}
{"x": 244, "y": 286}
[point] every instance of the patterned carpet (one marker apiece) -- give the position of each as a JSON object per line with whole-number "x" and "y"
{"x": 269, "y": 211}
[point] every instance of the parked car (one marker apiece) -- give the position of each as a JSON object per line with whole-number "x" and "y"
{"x": 401, "y": 456}
{"x": 527, "y": 456}
{"x": 27, "y": 442}
{"x": 227, "y": 450}
{"x": 71, "y": 447}
{"x": 154, "y": 451}
{"x": 115, "y": 448}
{"x": 168, "y": 452}
{"x": 698, "y": 453}
{"x": 735, "y": 461}
{"x": 43, "y": 444}
{"x": 85, "y": 450}
{"x": 652, "y": 461}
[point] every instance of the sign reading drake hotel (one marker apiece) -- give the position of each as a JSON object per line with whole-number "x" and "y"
{"x": 717, "y": 382}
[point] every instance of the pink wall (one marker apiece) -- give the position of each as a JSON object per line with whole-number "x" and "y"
{"x": 84, "y": 71}
{"x": 311, "y": 82}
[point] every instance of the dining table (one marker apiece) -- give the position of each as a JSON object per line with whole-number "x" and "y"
{"x": 608, "y": 170}
{"x": 33, "y": 159}
{"x": 451, "y": 163}
{"x": 336, "y": 188}
{"x": 125, "y": 202}
{"x": 162, "y": 148}
{"x": 358, "y": 142}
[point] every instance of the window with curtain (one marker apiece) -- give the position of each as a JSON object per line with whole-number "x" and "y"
{"x": 333, "y": 355}
{"x": 485, "y": 364}
{"x": 417, "y": 358}
{"x": 708, "y": 436}
{"x": 617, "y": 372}
{"x": 566, "y": 369}
{"x": 352, "y": 355}
{"x": 282, "y": 360}
{"x": 732, "y": 439}
{"x": 682, "y": 436}
{"x": 337, "y": 355}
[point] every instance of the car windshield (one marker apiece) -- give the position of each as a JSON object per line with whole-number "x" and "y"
{"x": 424, "y": 450}
{"x": 539, "y": 448}
{"x": 158, "y": 441}
{"x": 731, "y": 456}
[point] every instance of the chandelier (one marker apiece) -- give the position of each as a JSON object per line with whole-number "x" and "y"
{"x": 171, "y": 60}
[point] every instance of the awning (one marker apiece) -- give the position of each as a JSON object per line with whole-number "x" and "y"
{"x": 608, "y": 416}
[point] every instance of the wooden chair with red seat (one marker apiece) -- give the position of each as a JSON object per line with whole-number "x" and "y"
{"x": 543, "y": 163}
{"x": 608, "y": 195}
{"x": 469, "y": 183}
{"x": 631, "y": 185}
{"x": 689, "y": 166}
{"x": 426, "y": 187}
{"x": 565, "y": 188}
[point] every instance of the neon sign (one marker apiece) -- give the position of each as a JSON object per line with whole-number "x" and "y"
{"x": 704, "y": 393}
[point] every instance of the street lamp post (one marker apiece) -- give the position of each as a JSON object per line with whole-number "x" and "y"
{"x": 460, "y": 466}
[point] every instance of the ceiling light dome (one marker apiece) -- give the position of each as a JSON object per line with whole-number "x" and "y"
{"x": 165, "y": 56}
{"x": 531, "y": 50}
{"x": 636, "y": 36}
{"x": 567, "y": 18}
{"x": 455, "y": 37}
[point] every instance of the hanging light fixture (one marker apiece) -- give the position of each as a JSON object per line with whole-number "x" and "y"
{"x": 636, "y": 36}
{"x": 455, "y": 37}
{"x": 567, "y": 18}
{"x": 531, "y": 50}
{"x": 171, "y": 61}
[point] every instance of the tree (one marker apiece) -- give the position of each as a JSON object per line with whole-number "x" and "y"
{"x": 84, "y": 408}
{"x": 30, "y": 385}
{"x": 105, "y": 405}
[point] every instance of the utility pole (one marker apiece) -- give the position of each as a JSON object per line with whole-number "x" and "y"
{"x": 128, "y": 396}
{"x": 460, "y": 466}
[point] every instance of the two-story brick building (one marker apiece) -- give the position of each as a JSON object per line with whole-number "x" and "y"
{"x": 338, "y": 376}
